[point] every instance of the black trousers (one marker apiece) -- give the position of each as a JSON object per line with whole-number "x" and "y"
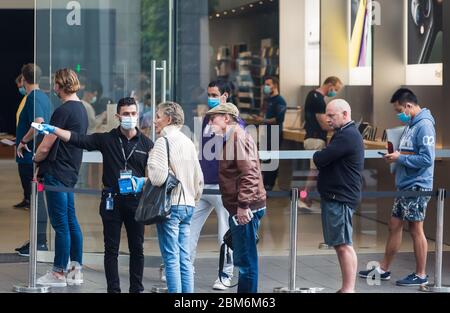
{"x": 269, "y": 178}
{"x": 123, "y": 213}
{"x": 26, "y": 176}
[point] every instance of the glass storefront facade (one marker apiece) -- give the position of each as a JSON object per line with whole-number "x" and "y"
{"x": 121, "y": 48}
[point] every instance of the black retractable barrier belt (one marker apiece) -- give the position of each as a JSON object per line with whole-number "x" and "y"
{"x": 74, "y": 190}
{"x": 384, "y": 194}
{"x": 392, "y": 194}
{"x": 274, "y": 194}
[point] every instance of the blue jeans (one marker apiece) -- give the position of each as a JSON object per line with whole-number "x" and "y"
{"x": 174, "y": 238}
{"x": 245, "y": 253}
{"x": 68, "y": 236}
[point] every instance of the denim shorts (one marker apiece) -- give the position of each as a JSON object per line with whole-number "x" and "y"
{"x": 411, "y": 209}
{"x": 336, "y": 223}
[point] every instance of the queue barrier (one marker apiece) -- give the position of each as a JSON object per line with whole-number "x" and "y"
{"x": 294, "y": 195}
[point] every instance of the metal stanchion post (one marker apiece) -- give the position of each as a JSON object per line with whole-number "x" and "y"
{"x": 437, "y": 287}
{"x": 293, "y": 251}
{"x": 293, "y": 241}
{"x": 32, "y": 288}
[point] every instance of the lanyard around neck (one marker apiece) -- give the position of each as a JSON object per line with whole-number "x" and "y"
{"x": 123, "y": 152}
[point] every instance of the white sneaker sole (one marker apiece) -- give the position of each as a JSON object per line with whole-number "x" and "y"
{"x": 53, "y": 284}
{"x": 75, "y": 282}
{"x": 221, "y": 287}
{"x": 411, "y": 285}
{"x": 381, "y": 278}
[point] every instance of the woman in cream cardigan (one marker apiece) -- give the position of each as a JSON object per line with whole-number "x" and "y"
{"x": 173, "y": 234}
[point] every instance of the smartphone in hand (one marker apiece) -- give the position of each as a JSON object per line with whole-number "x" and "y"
{"x": 382, "y": 154}
{"x": 390, "y": 147}
{"x": 39, "y": 127}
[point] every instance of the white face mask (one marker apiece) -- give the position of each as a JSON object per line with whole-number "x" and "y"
{"x": 129, "y": 122}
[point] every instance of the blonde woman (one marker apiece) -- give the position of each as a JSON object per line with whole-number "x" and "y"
{"x": 174, "y": 233}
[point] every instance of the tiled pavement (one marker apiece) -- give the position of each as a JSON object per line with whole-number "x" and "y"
{"x": 313, "y": 271}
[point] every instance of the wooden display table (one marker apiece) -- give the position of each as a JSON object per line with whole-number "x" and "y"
{"x": 298, "y": 135}
{"x": 7, "y": 151}
{"x": 375, "y": 145}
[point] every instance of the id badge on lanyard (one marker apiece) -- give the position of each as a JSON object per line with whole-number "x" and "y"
{"x": 125, "y": 184}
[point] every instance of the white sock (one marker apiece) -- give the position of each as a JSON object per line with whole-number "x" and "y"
{"x": 422, "y": 277}
{"x": 380, "y": 270}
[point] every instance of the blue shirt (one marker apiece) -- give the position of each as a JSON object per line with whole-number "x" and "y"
{"x": 415, "y": 167}
{"x": 276, "y": 109}
{"x": 37, "y": 105}
{"x": 209, "y": 157}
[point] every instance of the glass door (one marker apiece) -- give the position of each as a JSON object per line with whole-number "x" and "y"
{"x": 111, "y": 45}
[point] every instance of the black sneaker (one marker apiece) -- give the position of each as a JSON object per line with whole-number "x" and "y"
{"x": 24, "y": 246}
{"x": 26, "y": 250}
{"x": 22, "y": 205}
{"x": 412, "y": 280}
{"x": 371, "y": 273}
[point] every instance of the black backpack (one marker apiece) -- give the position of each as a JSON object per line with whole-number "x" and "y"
{"x": 227, "y": 244}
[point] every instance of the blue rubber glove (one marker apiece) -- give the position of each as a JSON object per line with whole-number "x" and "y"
{"x": 44, "y": 128}
{"x": 138, "y": 183}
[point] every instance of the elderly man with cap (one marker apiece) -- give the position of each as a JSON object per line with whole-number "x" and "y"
{"x": 242, "y": 189}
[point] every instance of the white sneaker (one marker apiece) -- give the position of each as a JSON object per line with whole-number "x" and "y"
{"x": 308, "y": 209}
{"x": 218, "y": 285}
{"x": 75, "y": 275}
{"x": 52, "y": 279}
{"x": 162, "y": 273}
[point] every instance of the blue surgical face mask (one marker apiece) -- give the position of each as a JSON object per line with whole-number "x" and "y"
{"x": 267, "y": 90}
{"x": 129, "y": 122}
{"x": 331, "y": 94}
{"x": 404, "y": 118}
{"x": 213, "y": 102}
{"x": 22, "y": 91}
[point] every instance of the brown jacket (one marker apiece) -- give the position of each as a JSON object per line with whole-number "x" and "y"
{"x": 240, "y": 178}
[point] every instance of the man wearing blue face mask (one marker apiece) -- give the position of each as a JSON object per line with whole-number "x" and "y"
{"x": 316, "y": 126}
{"x": 414, "y": 171}
{"x": 219, "y": 92}
{"x": 125, "y": 152}
{"x": 274, "y": 119}
{"x": 35, "y": 107}
{"x": 88, "y": 99}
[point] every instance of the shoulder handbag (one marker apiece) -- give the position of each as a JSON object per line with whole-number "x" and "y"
{"x": 155, "y": 202}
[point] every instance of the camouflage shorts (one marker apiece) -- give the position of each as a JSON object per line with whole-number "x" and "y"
{"x": 411, "y": 209}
